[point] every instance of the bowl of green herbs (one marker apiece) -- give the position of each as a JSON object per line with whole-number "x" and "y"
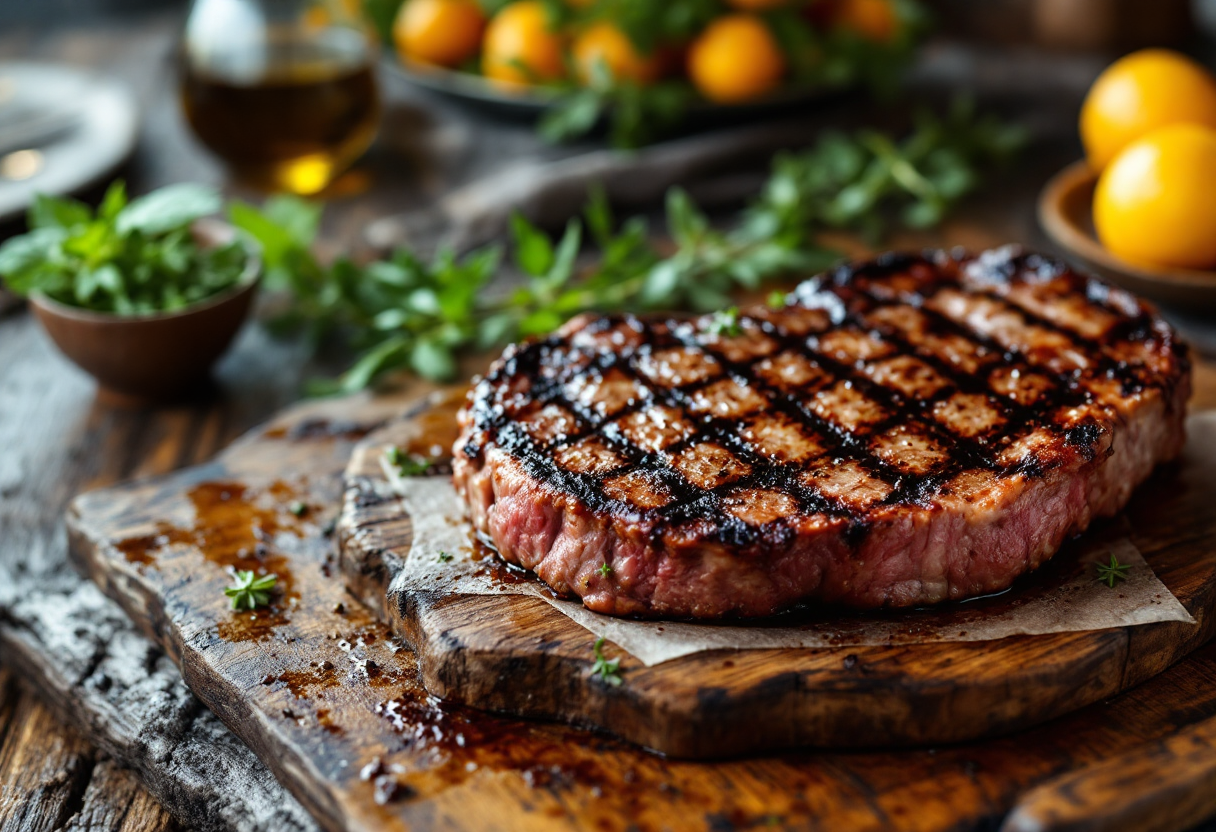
{"x": 143, "y": 294}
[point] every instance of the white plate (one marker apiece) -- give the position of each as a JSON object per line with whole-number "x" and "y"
{"x": 101, "y": 137}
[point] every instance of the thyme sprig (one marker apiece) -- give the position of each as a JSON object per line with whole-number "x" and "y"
{"x": 724, "y": 323}
{"x": 609, "y": 670}
{"x": 1113, "y": 572}
{"x": 407, "y": 465}
{"x": 250, "y": 591}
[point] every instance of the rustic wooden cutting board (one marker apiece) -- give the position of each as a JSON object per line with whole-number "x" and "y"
{"x": 323, "y": 695}
{"x": 522, "y": 656}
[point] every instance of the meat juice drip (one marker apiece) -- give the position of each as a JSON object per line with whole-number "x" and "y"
{"x": 235, "y": 527}
{"x": 435, "y": 432}
{"x": 492, "y": 565}
{"x": 287, "y": 112}
{"x": 312, "y": 429}
{"x": 141, "y": 550}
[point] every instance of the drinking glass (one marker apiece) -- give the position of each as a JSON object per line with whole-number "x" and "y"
{"x": 282, "y": 90}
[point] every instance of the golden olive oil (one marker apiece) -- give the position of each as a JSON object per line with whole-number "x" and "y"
{"x": 286, "y": 114}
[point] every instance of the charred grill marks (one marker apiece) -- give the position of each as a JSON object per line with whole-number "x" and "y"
{"x": 850, "y": 297}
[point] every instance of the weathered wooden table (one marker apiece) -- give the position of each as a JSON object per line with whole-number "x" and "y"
{"x": 57, "y": 440}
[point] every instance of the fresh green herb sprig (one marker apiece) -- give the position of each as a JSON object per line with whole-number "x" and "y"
{"x": 636, "y": 115}
{"x": 403, "y": 313}
{"x": 407, "y": 465}
{"x": 867, "y": 180}
{"x": 1113, "y": 572}
{"x": 609, "y": 670}
{"x": 444, "y": 557}
{"x": 250, "y": 591}
{"x": 605, "y": 569}
{"x": 406, "y": 314}
{"x": 724, "y": 323}
{"x": 128, "y": 258}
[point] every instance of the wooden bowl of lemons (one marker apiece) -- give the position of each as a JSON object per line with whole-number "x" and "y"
{"x": 1141, "y": 209}
{"x": 1066, "y": 214}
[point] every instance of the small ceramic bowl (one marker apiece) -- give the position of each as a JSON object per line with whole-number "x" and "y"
{"x": 1066, "y": 214}
{"x": 157, "y": 357}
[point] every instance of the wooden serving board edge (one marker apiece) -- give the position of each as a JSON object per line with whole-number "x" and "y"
{"x": 853, "y": 697}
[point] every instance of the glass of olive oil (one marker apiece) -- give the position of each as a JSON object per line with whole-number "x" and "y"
{"x": 282, "y": 90}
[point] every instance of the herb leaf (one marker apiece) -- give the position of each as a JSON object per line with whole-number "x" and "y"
{"x": 249, "y": 591}
{"x": 407, "y": 465}
{"x": 57, "y": 212}
{"x": 404, "y": 313}
{"x": 725, "y": 323}
{"x": 167, "y": 209}
{"x": 128, "y": 259}
{"x": 609, "y": 670}
{"x": 1113, "y": 572}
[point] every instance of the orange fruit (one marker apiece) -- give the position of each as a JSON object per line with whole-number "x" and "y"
{"x": 604, "y": 43}
{"x": 1139, "y": 93}
{"x": 874, "y": 20}
{"x": 735, "y": 59}
{"x": 520, "y": 47}
{"x": 1155, "y": 203}
{"x": 443, "y": 32}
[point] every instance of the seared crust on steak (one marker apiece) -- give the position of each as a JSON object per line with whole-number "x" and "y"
{"x": 902, "y": 432}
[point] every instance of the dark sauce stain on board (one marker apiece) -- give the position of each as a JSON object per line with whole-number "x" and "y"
{"x": 312, "y": 429}
{"x": 326, "y": 721}
{"x": 566, "y": 771}
{"x": 455, "y": 742}
{"x": 311, "y": 682}
{"x": 141, "y": 549}
{"x": 235, "y": 527}
{"x": 435, "y": 431}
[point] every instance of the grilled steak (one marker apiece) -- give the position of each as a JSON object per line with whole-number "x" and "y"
{"x": 911, "y": 430}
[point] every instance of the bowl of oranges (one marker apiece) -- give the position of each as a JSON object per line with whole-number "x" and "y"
{"x": 644, "y": 66}
{"x": 1141, "y": 207}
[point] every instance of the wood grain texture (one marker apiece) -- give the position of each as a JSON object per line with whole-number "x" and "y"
{"x": 97, "y": 674}
{"x": 520, "y": 655}
{"x": 36, "y": 760}
{"x": 115, "y": 802}
{"x": 325, "y": 697}
{"x": 52, "y": 779}
{"x": 1171, "y": 784}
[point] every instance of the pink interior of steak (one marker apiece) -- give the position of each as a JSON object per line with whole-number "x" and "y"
{"x": 911, "y": 396}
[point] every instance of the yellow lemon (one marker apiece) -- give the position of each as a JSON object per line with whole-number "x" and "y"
{"x": 1139, "y": 93}
{"x": 1155, "y": 203}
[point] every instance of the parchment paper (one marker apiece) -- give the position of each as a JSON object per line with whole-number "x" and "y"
{"x": 1064, "y": 597}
